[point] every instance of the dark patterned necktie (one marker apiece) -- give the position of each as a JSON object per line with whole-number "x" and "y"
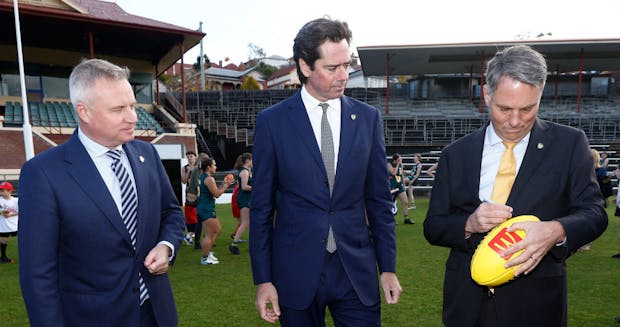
{"x": 129, "y": 207}
{"x": 327, "y": 153}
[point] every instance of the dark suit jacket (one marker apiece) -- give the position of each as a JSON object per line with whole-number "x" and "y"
{"x": 290, "y": 179}
{"x": 556, "y": 181}
{"x": 77, "y": 264}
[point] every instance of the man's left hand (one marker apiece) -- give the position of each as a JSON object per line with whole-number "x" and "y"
{"x": 157, "y": 260}
{"x": 540, "y": 237}
{"x": 391, "y": 287}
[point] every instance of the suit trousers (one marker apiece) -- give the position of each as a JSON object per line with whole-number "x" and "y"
{"x": 147, "y": 315}
{"x": 336, "y": 293}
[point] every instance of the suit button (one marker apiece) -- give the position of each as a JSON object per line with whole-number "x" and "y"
{"x": 326, "y": 184}
{"x": 331, "y": 212}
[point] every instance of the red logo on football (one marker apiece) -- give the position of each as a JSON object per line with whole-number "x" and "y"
{"x": 503, "y": 240}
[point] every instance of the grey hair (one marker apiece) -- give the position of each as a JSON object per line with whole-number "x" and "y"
{"x": 519, "y": 62}
{"x": 87, "y": 72}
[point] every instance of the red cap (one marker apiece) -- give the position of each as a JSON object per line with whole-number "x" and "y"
{"x": 6, "y": 186}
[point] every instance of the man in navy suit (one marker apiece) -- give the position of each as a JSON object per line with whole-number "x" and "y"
{"x": 554, "y": 181}
{"x": 80, "y": 265}
{"x": 299, "y": 209}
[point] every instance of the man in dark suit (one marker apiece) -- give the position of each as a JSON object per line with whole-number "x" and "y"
{"x": 321, "y": 221}
{"x": 87, "y": 257}
{"x": 554, "y": 181}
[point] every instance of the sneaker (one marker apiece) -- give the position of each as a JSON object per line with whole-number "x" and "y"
{"x": 408, "y": 221}
{"x": 208, "y": 261}
{"x": 412, "y": 206}
{"x": 234, "y": 250}
{"x": 6, "y": 260}
{"x": 212, "y": 257}
{"x": 188, "y": 239}
{"x": 240, "y": 241}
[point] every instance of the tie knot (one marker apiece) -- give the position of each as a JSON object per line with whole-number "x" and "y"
{"x": 509, "y": 145}
{"x": 324, "y": 106}
{"x": 114, "y": 154}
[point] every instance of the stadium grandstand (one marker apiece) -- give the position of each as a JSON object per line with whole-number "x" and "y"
{"x": 440, "y": 99}
{"x": 56, "y": 35}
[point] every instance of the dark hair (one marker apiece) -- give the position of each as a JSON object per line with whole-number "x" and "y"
{"x": 190, "y": 152}
{"x": 312, "y": 35}
{"x": 242, "y": 159}
{"x": 395, "y": 156}
{"x": 206, "y": 163}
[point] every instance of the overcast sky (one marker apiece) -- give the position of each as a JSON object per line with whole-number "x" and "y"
{"x": 272, "y": 24}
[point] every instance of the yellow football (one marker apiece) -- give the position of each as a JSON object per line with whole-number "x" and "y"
{"x": 487, "y": 266}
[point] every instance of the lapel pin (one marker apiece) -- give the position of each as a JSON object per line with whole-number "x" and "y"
{"x": 353, "y": 116}
{"x": 141, "y": 158}
{"x": 540, "y": 146}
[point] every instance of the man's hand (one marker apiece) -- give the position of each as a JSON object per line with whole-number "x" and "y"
{"x": 487, "y": 216}
{"x": 157, "y": 260}
{"x": 391, "y": 287}
{"x": 540, "y": 237}
{"x": 267, "y": 302}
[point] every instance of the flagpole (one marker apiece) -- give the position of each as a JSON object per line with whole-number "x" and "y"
{"x": 28, "y": 143}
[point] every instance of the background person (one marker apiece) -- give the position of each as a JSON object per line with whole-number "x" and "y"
{"x": 548, "y": 173}
{"x": 244, "y": 178}
{"x": 9, "y": 218}
{"x": 87, "y": 256}
{"x": 321, "y": 155}
{"x": 397, "y": 181}
{"x": 189, "y": 209}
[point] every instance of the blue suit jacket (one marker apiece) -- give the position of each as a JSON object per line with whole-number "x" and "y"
{"x": 77, "y": 265}
{"x": 292, "y": 209}
{"x": 555, "y": 181}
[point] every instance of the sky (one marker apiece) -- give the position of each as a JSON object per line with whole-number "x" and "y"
{"x": 272, "y": 24}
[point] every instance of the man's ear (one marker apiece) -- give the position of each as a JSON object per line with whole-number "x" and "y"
{"x": 305, "y": 68}
{"x": 82, "y": 112}
{"x": 485, "y": 93}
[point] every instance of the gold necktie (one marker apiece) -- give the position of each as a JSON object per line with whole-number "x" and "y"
{"x": 505, "y": 174}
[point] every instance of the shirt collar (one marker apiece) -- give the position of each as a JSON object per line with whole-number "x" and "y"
{"x": 312, "y": 103}
{"x": 492, "y": 139}
{"x": 93, "y": 148}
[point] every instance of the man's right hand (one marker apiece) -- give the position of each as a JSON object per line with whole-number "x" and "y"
{"x": 267, "y": 302}
{"x": 487, "y": 216}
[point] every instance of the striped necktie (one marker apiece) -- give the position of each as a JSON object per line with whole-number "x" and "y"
{"x": 327, "y": 153}
{"x": 129, "y": 207}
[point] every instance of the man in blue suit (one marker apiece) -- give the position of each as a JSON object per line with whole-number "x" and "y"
{"x": 552, "y": 177}
{"x": 321, "y": 221}
{"x": 87, "y": 258}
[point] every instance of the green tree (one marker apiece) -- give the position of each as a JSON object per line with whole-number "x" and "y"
{"x": 250, "y": 84}
{"x": 266, "y": 70}
{"x": 205, "y": 61}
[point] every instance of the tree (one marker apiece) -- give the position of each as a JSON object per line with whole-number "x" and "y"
{"x": 250, "y": 84}
{"x": 266, "y": 70}
{"x": 205, "y": 61}
{"x": 256, "y": 52}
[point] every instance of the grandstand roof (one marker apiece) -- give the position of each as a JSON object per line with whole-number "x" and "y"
{"x": 455, "y": 58}
{"x": 66, "y": 25}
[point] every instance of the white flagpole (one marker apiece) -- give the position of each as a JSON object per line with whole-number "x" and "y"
{"x": 28, "y": 143}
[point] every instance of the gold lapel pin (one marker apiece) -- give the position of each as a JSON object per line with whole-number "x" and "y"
{"x": 353, "y": 116}
{"x": 141, "y": 158}
{"x": 540, "y": 146}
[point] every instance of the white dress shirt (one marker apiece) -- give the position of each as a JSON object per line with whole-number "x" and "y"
{"x": 491, "y": 155}
{"x": 315, "y": 113}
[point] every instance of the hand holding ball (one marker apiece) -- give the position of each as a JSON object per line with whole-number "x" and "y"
{"x": 487, "y": 266}
{"x": 229, "y": 179}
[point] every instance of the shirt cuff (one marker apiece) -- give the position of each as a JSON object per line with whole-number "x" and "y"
{"x": 168, "y": 244}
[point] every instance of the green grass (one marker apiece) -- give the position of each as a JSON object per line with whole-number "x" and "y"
{"x": 223, "y": 295}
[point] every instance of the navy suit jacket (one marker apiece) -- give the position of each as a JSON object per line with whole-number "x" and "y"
{"x": 555, "y": 181}
{"x": 77, "y": 264}
{"x": 292, "y": 209}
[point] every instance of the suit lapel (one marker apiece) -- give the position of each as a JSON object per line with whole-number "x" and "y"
{"x": 85, "y": 173}
{"x": 534, "y": 154}
{"x": 300, "y": 123}
{"x": 348, "y": 129}
{"x": 472, "y": 159}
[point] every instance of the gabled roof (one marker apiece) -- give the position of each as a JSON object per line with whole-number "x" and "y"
{"x": 283, "y": 71}
{"x": 115, "y": 33}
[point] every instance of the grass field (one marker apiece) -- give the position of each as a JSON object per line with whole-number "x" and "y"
{"x": 223, "y": 295}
